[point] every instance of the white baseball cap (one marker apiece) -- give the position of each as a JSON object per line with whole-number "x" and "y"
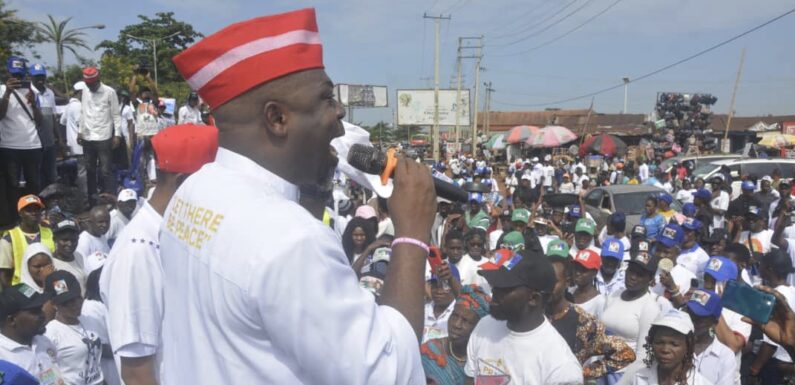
{"x": 127, "y": 195}
{"x": 535, "y": 159}
{"x": 80, "y": 86}
{"x": 677, "y": 320}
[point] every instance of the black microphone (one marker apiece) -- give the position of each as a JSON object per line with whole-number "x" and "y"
{"x": 369, "y": 160}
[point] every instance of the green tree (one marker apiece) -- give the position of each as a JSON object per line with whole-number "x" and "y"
{"x": 169, "y": 35}
{"x": 64, "y": 39}
{"x": 15, "y": 34}
{"x": 381, "y": 132}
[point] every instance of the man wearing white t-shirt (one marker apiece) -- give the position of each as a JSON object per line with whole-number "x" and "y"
{"x": 757, "y": 238}
{"x": 692, "y": 256}
{"x": 48, "y": 133}
{"x": 94, "y": 238}
{"x": 22, "y": 341}
{"x": 131, "y": 284}
{"x": 504, "y": 347}
{"x": 190, "y": 112}
{"x": 126, "y": 207}
{"x": 71, "y": 120}
{"x": 673, "y": 282}
{"x": 20, "y": 146}
{"x": 720, "y": 201}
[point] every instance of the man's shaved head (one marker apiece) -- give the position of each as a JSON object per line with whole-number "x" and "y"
{"x": 285, "y": 125}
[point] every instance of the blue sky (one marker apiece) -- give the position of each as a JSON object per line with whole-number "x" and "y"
{"x": 389, "y": 43}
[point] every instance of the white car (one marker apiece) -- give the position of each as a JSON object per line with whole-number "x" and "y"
{"x": 738, "y": 169}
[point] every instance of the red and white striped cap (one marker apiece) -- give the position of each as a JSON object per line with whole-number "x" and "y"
{"x": 243, "y": 55}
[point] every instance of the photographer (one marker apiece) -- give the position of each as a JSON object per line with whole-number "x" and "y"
{"x": 20, "y": 146}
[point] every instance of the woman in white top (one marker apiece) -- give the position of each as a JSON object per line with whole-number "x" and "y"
{"x": 671, "y": 360}
{"x": 79, "y": 349}
{"x": 36, "y": 266}
{"x": 629, "y": 313}
{"x": 586, "y": 264}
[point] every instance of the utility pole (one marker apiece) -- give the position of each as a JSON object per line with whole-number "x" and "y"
{"x": 626, "y": 93}
{"x": 487, "y": 117}
{"x": 734, "y": 96}
{"x": 461, "y": 47}
{"x": 458, "y": 93}
{"x": 435, "y": 132}
{"x": 477, "y": 93}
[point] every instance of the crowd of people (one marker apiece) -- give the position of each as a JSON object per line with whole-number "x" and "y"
{"x": 249, "y": 262}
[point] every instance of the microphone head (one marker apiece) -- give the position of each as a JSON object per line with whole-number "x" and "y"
{"x": 366, "y": 159}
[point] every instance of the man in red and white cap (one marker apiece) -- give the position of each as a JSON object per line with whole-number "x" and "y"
{"x": 275, "y": 301}
{"x": 100, "y": 131}
{"x": 131, "y": 283}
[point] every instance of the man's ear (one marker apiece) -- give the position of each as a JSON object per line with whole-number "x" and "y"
{"x": 276, "y": 117}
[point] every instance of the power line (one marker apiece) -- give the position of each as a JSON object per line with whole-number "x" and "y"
{"x": 667, "y": 67}
{"x": 567, "y": 33}
{"x": 523, "y": 17}
{"x": 532, "y": 26}
{"x": 547, "y": 28}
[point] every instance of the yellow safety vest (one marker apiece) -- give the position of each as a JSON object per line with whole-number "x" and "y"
{"x": 19, "y": 243}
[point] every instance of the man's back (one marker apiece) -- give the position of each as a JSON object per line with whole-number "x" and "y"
{"x": 495, "y": 352}
{"x": 268, "y": 302}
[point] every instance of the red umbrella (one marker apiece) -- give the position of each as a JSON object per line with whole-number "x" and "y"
{"x": 605, "y": 144}
{"x": 519, "y": 134}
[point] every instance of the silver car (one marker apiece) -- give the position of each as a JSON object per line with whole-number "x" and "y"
{"x": 630, "y": 199}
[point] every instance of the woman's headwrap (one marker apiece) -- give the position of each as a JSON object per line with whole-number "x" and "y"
{"x": 475, "y": 298}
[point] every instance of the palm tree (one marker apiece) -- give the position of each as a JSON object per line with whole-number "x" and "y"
{"x": 63, "y": 38}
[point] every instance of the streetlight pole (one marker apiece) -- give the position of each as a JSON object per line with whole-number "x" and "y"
{"x": 153, "y": 41}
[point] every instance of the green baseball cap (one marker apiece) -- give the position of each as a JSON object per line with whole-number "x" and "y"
{"x": 585, "y": 225}
{"x": 520, "y": 215}
{"x": 513, "y": 240}
{"x": 558, "y": 248}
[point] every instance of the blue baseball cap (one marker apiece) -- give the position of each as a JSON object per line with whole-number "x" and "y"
{"x": 702, "y": 193}
{"x": 16, "y": 65}
{"x": 476, "y": 196}
{"x": 37, "y": 69}
{"x": 748, "y": 185}
{"x": 618, "y": 218}
{"x": 721, "y": 269}
{"x": 613, "y": 248}
{"x": 671, "y": 235}
{"x": 704, "y": 303}
{"x": 665, "y": 197}
{"x": 692, "y": 224}
{"x": 14, "y": 375}
{"x": 689, "y": 209}
{"x": 574, "y": 211}
{"x": 453, "y": 270}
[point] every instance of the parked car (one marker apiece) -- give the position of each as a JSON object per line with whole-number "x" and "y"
{"x": 739, "y": 169}
{"x": 696, "y": 161}
{"x": 630, "y": 199}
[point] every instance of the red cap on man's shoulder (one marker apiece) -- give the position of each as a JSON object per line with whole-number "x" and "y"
{"x": 185, "y": 148}
{"x": 244, "y": 55}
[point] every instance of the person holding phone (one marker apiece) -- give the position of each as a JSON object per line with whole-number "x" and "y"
{"x": 20, "y": 146}
{"x": 774, "y": 268}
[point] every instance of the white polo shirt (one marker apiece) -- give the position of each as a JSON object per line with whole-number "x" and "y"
{"x": 40, "y": 359}
{"x": 436, "y": 327}
{"x": 694, "y": 259}
{"x": 17, "y": 129}
{"x": 717, "y": 364}
{"x": 131, "y": 286}
{"x": 268, "y": 302}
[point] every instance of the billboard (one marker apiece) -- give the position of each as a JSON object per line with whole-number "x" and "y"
{"x": 354, "y": 95}
{"x": 788, "y": 127}
{"x": 415, "y": 107}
